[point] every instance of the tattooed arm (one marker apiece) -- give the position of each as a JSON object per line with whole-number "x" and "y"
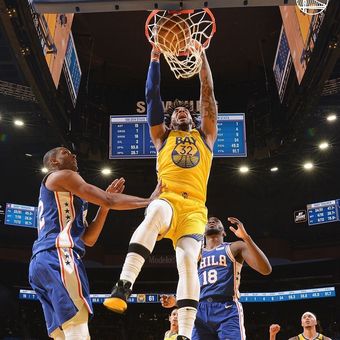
{"x": 208, "y": 103}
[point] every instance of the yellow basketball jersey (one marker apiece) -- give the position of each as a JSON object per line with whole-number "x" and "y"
{"x": 167, "y": 336}
{"x": 183, "y": 164}
{"x": 319, "y": 337}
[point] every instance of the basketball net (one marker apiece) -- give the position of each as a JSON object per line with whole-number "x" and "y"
{"x": 186, "y": 61}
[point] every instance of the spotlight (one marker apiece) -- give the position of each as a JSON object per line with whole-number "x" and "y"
{"x": 274, "y": 169}
{"x": 106, "y": 171}
{"x": 333, "y": 43}
{"x": 25, "y": 51}
{"x": 308, "y": 165}
{"x": 323, "y": 146}
{"x": 19, "y": 122}
{"x": 44, "y": 170}
{"x": 244, "y": 169}
{"x": 11, "y": 12}
{"x": 332, "y": 117}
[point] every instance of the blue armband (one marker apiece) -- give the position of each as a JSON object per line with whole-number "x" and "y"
{"x": 154, "y": 105}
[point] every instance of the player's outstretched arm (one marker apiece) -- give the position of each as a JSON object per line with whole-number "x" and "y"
{"x": 248, "y": 249}
{"x": 94, "y": 229}
{"x": 68, "y": 180}
{"x": 273, "y": 330}
{"x": 208, "y": 103}
{"x": 154, "y": 105}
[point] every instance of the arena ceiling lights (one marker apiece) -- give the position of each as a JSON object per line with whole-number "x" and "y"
{"x": 87, "y": 6}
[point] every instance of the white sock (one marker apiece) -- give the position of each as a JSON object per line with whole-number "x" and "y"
{"x": 132, "y": 267}
{"x": 186, "y": 319}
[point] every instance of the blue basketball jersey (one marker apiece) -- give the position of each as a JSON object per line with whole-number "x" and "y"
{"x": 219, "y": 273}
{"x": 61, "y": 221}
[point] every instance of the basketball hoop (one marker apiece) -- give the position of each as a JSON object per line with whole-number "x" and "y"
{"x": 181, "y": 36}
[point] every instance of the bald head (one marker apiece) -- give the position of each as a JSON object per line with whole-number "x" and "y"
{"x": 60, "y": 158}
{"x": 48, "y": 156}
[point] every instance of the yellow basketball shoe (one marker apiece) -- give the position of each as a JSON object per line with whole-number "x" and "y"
{"x": 117, "y": 302}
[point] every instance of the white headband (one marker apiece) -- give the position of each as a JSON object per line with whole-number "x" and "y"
{"x": 314, "y": 316}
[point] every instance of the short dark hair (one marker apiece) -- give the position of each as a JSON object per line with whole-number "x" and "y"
{"x": 48, "y": 155}
{"x": 216, "y": 218}
{"x": 180, "y": 103}
{"x": 174, "y": 308}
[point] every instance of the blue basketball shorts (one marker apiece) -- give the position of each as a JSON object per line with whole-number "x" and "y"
{"x": 59, "y": 279}
{"x": 219, "y": 321}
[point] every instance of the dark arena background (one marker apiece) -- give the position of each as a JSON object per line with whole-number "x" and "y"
{"x": 67, "y": 68}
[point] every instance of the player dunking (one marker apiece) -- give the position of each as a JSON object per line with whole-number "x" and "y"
{"x": 220, "y": 314}
{"x": 56, "y": 271}
{"x": 184, "y": 156}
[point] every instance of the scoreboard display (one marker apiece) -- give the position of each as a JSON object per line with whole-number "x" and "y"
{"x": 20, "y": 215}
{"x": 294, "y": 295}
{"x": 72, "y": 69}
{"x": 323, "y": 212}
{"x": 130, "y": 137}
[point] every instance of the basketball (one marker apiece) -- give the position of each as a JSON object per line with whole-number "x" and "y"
{"x": 172, "y": 34}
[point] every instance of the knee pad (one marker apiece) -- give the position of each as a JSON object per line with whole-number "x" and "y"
{"x": 157, "y": 221}
{"x": 187, "y": 251}
{"x": 159, "y": 214}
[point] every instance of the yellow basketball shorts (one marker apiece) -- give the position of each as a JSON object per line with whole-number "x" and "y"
{"x": 189, "y": 216}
